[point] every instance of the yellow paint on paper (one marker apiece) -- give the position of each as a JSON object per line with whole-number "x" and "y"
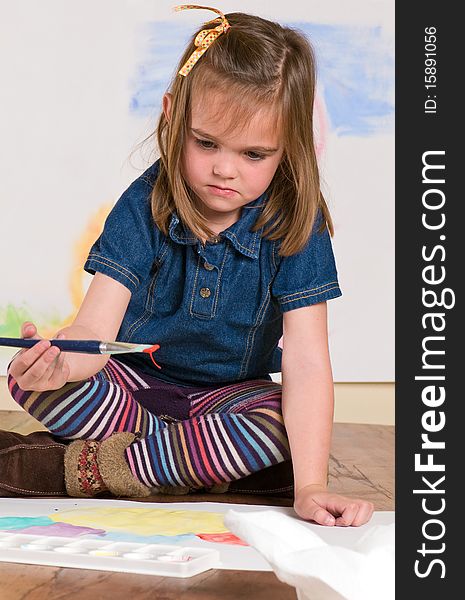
{"x": 144, "y": 521}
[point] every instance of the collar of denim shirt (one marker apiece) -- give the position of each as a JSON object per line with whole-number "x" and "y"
{"x": 242, "y": 238}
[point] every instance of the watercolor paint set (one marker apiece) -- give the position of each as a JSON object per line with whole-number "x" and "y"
{"x": 103, "y": 555}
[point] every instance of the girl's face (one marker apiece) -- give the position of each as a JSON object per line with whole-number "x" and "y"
{"x": 227, "y": 172}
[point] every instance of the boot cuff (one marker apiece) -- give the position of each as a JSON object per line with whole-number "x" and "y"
{"x": 114, "y": 469}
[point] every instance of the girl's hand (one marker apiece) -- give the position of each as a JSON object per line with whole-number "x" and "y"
{"x": 315, "y": 503}
{"x": 41, "y": 367}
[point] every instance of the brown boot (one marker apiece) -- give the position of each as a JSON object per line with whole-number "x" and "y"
{"x": 277, "y": 480}
{"x": 31, "y": 465}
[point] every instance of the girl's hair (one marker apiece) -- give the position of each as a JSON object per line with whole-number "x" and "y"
{"x": 259, "y": 65}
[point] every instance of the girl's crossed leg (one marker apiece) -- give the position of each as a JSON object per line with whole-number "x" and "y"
{"x": 187, "y": 436}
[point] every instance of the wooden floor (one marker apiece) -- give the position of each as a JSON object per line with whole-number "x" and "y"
{"x": 361, "y": 465}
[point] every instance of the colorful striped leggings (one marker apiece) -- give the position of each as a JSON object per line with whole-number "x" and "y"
{"x": 189, "y": 436}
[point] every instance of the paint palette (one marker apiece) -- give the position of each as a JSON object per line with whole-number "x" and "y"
{"x": 103, "y": 555}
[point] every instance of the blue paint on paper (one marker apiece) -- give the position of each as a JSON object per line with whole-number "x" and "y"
{"x": 9, "y": 523}
{"x": 21, "y": 523}
{"x": 150, "y": 539}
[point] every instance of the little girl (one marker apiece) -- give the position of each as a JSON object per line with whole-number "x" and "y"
{"x": 219, "y": 249}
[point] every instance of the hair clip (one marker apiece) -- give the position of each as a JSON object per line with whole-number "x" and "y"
{"x": 204, "y": 38}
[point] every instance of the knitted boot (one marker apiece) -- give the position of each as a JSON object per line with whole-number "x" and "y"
{"x": 31, "y": 465}
{"x": 93, "y": 467}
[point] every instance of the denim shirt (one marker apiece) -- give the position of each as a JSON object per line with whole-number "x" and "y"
{"x": 215, "y": 309}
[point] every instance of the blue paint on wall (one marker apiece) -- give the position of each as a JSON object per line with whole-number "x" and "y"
{"x": 355, "y": 73}
{"x": 164, "y": 44}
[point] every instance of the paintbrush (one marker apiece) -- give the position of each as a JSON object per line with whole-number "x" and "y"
{"x": 85, "y": 346}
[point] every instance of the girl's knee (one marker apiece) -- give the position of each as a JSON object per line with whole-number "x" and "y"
{"x": 15, "y": 391}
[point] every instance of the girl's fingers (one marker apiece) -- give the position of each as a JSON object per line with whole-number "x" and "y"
{"x": 348, "y": 515}
{"x": 49, "y": 377}
{"x": 323, "y": 517}
{"x": 37, "y": 371}
{"x": 59, "y": 369}
{"x": 364, "y": 514}
{"x": 58, "y": 372}
{"x": 41, "y": 367}
{"x": 29, "y": 330}
{"x": 28, "y": 358}
{"x": 52, "y": 368}
{"x": 355, "y": 514}
{"x": 46, "y": 364}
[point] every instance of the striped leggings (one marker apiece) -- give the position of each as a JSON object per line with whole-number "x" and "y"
{"x": 189, "y": 436}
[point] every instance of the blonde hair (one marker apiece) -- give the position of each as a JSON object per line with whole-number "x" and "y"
{"x": 258, "y": 64}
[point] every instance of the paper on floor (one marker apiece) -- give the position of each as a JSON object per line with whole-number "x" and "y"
{"x": 319, "y": 570}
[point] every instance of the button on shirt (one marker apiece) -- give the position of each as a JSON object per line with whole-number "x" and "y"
{"x": 215, "y": 309}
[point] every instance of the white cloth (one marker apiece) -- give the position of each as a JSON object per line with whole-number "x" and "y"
{"x": 317, "y": 569}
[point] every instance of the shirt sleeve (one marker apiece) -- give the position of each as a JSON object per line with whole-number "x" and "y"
{"x": 125, "y": 249}
{"x": 310, "y": 276}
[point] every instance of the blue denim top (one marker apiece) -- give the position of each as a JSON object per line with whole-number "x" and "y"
{"x": 216, "y": 310}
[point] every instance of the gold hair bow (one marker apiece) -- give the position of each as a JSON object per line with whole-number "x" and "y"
{"x": 204, "y": 38}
